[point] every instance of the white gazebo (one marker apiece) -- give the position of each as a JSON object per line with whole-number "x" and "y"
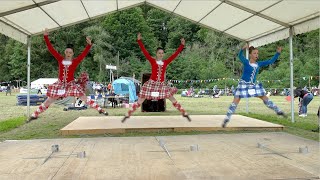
{"x": 257, "y": 22}
{"x": 43, "y": 81}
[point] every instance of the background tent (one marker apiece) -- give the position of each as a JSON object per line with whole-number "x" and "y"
{"x": 125, "y": 86}
{"x": 43, "y": 81}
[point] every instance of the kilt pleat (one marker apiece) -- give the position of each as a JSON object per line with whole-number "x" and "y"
{"x": 246, "y": 90}
{"x": 77, "y": 89}
{"x": 151, "y": 86}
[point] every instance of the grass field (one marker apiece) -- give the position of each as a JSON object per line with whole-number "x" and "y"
{"x": 50, "y": 122}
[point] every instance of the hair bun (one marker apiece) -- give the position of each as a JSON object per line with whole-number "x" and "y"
{"x": 251, "y": 48}
{"x": 160, "y": 48}
{"x": 70, "y": 46}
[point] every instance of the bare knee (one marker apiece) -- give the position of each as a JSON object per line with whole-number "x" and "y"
{"x": 172, "y": 99}
{"x": 141, "y": 100}
{"x": 236, "y": 100}
{"x": 263, "y": 98}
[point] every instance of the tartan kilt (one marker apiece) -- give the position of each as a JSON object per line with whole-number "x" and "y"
{"x": 246, "y": 90}
{"x": 70, "y": 89}
{"x": 156, "y": 86}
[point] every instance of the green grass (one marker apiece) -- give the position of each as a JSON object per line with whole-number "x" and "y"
{"x": 11, "y": 124}
{"x": 302, "y": 124}
{"x": 50, "y": 122}
{"x": 301, "y": 127}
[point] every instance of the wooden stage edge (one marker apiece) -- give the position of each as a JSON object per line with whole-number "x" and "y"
{"x": 204, "y": 129}
{"x": 205, "y": 123}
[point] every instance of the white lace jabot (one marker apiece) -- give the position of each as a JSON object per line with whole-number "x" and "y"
{"x": 253, "y": 64}
{"x": 66, "y": 63}
{"x": 159, "y": 62}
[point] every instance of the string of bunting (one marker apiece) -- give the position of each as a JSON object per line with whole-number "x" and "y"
{"x": 233, "y": 79}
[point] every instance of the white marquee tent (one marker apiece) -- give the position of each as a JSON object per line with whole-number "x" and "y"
{"x": 43, "y": 81}
{"x": 257, "y": 22}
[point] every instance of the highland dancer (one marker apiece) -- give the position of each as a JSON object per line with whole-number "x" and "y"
{"x": 156, "y": 88}
{"x": 247, "y": 87}
{"x": 66, "y": 84}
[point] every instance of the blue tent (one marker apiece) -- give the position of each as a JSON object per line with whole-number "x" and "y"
{"x": 125, "y": 86}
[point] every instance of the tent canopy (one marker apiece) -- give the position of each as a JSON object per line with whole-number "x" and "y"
{"x": 43, "y": 81}
{"x": 258, "y": 22}
{"x": 125, "y": 86}
{"x": 132, "y": 79}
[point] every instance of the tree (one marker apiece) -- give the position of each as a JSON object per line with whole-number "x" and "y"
{"x": 101, "y": 50}
{"x": 178, "y": 28}
{"x": 4, "y": 66}
{"x": 124, "y": 26}
{"x": 157, "y": 20}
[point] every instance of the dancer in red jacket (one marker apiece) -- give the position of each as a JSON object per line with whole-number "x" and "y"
{"x": 66, "y": 84}
{"x": 156, "y": 88}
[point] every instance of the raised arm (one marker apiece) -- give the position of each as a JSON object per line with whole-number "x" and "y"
{"x": 178, "y": 51}
{"x": 85, "y": 51}
{"x": 241, "y": 56}
{"x": 272, "y": 60}
{"x": 143, "y": 49}
{"x": 50, "y": 47}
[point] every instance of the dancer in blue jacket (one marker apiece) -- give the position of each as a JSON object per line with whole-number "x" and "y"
{"x": 247, "y": 86}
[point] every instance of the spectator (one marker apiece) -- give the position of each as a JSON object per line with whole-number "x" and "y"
{"x": 112, "y": 99}
{"x": 109, "y": 87}
{"x": 8, "y": 90}
{"x": 304, "y": 99}
{"x": 99, "y": 89}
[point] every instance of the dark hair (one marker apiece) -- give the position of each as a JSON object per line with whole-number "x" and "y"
{"x": 297, "y": 92}
{"x": 251, "y": 48}
{"x": 70, "y": 46}
{"x": 160, "y": 48}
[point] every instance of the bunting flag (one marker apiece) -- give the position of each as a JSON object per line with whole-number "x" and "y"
{"x": 305, "y": 78}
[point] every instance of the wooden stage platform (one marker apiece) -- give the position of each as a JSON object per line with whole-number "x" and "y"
{"x": 220, "y": 156}
{"x": 113, "y": 125}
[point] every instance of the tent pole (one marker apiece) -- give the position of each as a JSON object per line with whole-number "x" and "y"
{"x": 291, "y": 74}
{"x": 247, "y": 99}
{"x": 28, "y": 76}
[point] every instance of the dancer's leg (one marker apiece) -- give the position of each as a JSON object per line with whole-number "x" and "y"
{"x": 179, "y": 107}
{"x": 231, "y": 110}
{"x": 135, "y": 106}
{"x": 272, "y": 106}
{"x": 94, "y": 105}
{"x": 43, "y": 107}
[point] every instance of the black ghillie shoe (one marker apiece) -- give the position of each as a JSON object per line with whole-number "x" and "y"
{"x": 187, "y": 116}
{"x": 103, "y": 112}
{"x": 125, "y": 118}
{"x": 31, "y": 118}
{"x": 225, "y": 122}
{"x": 281, "y": 113}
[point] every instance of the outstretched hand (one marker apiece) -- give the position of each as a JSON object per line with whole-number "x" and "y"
{"x": 279, "y": 49}
{"x": 139, "y": 36}
{"x": 88, "y": 40}
{"x": 183, "y": 42}
{"x": 46, "y": 33}
{"x": 246, "y": 46}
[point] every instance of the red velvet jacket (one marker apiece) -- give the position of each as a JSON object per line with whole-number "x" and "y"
{"x": 158, "y": 71}
{"x": 66, "y": 72}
